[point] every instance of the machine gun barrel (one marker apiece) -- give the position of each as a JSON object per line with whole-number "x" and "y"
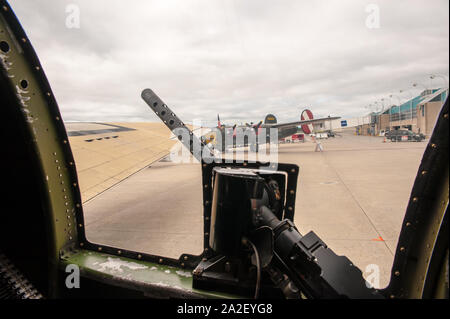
{"x": 197, "y": 148}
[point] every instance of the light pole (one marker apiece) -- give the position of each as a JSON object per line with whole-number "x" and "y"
{"x": 399, "y": 110}
{"x": 410, "y": 103}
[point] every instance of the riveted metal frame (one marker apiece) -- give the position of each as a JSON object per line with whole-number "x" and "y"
{"x": 41, "y": 118}
{"x": 291, "y": 171}
{"x": 425, "y": 219}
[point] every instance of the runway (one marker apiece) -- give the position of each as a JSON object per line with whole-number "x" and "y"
{"x": 353, "y": 195}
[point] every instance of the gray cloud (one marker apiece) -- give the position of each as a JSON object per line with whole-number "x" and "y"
{"x": 241, "y": 59}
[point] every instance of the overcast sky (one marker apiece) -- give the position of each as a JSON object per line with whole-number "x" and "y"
{"x": 240, "y": 58}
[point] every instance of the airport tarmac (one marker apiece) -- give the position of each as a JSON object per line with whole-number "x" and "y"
{"x": 353, "y": 195}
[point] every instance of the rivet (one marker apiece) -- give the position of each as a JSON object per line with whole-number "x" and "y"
{"x": 408, "y": 224}
{"x": 293, "y": 170}
{"x": 289, "y": 208}
{"x": 244, "y": 164}
{"x": 445, "y": 115}
{"x": 206, "y": 250}
{"x": 139, "y": 256}
{"x": 392, "y": 296}
{"x": 5, "y": 8}
{"x": 206, "y": 234}
{"x": 37, "y": 68}
{"x": 160, "y": 260}
{"x": 80, "y": 225}
{"x": 415, "y": 199}
{"x": 397, "y": 273}
{"x": 207, "y": 202}
{"x": 402, "y": 248}
{"x": 185, "y": 258}
{"x": 65, "y": 142}
{"x": 24, "y": 40}
{"x": 70, "y": 163}
{"x": 81, "y": 244}
{"x": 99, "y": 248}
{"x": 78, "y": 205}
{"x": 119, "y": 252}
{"x": 182, "y": 264}
{"x": 204, "y": 259}
{"x": 48, "y": 94}
{"x": 292, "y": 192}
{"x": 204, "y": 165}
{"x": 206, "y": 185}
{"x": 74, "y": 184}
{"x": 70, "y": 237}
{"x": 424, "y": 172}
{"x": 433, "y": 145}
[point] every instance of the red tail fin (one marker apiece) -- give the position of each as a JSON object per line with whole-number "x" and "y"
{"x": 307, "y": 115}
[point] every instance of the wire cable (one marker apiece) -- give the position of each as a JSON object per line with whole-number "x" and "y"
{"x": 258, "y": 268}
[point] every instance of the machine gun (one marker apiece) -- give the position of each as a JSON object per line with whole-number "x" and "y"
{"x": 251, "y": 243}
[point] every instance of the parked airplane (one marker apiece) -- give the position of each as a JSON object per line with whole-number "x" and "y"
{"x": 223, "y": 137}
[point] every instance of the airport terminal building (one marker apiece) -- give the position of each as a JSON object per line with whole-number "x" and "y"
{"x": 417, "y": 114}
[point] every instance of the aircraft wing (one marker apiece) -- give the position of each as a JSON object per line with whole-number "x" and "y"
{"x": 298, "y": 123}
